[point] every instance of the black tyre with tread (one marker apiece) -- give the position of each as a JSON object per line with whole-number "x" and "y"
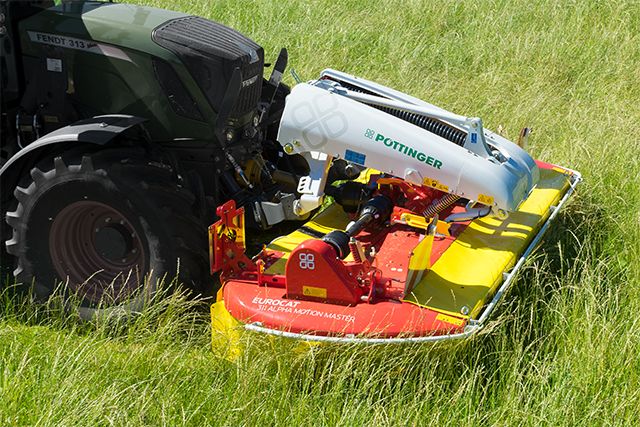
{"x": 101, "y": 224}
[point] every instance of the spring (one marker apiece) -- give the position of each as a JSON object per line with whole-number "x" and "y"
{"x": 355, "y": 252}
{"x": 442, "y": 204}
{"x": 427, "y": 123}
{"x": 434, "y": 126}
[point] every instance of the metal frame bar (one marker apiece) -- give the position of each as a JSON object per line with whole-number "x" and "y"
{"x": 474, "y": 325}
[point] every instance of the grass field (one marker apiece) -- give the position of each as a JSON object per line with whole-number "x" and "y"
{"x": 565, "y": 348}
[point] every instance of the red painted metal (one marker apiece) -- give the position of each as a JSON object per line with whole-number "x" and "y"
{"x": 324, "y": 295}
{"x": 315, "y": 273}
{"x": 226, "y": 242}
{"x": 249, "y": 303}
{"x": 332, "y": 297}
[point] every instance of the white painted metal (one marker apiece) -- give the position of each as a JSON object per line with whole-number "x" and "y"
{"x": 493, "y": 139}
{"x": 321, "y": 116}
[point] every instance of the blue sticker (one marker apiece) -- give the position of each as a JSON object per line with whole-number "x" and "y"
{"x": 354, "y": 157}
{"x": 474, "y": 138}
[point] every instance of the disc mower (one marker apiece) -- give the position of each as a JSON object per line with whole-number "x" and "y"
{"x": 420, "y": 247}
{"x": 127, "y": 130}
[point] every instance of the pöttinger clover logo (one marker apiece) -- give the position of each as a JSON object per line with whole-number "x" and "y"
{"x": 320, "y": 120}
{"x": 369, "y": 133}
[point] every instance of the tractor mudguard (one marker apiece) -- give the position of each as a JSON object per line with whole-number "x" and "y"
{"x": 98, "y": 130}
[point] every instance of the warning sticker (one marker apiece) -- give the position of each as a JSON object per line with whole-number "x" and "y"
{"x": 450, "y": 319}
{"x": 484, "y": 199}
{"x": 54, "y": 65}
{"x": 434, "y": 183}
{"x": 312, "y": 291}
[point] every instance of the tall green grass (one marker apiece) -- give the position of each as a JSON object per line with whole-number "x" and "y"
{"x": 564, "y": 348}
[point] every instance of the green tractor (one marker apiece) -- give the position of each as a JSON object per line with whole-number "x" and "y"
{"x": 123, "y": 127}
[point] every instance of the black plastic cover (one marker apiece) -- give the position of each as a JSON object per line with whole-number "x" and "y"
{"x": 179, "y": 98}
{"x": 211, "y": 51}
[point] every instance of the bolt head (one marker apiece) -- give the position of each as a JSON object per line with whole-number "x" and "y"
{"x": 288, "y": 148}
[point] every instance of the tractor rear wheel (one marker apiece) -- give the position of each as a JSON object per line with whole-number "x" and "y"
{"x": 106, "y": 227}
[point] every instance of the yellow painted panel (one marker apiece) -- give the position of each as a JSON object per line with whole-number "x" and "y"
{"x": 225, "y": 335}
{"x": 419, "y": 263}
{"x": 471, "y": 269}
{"x": 421, "y": 222}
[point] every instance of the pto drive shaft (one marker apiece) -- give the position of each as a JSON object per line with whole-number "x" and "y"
{"x": 375, "y": 212}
